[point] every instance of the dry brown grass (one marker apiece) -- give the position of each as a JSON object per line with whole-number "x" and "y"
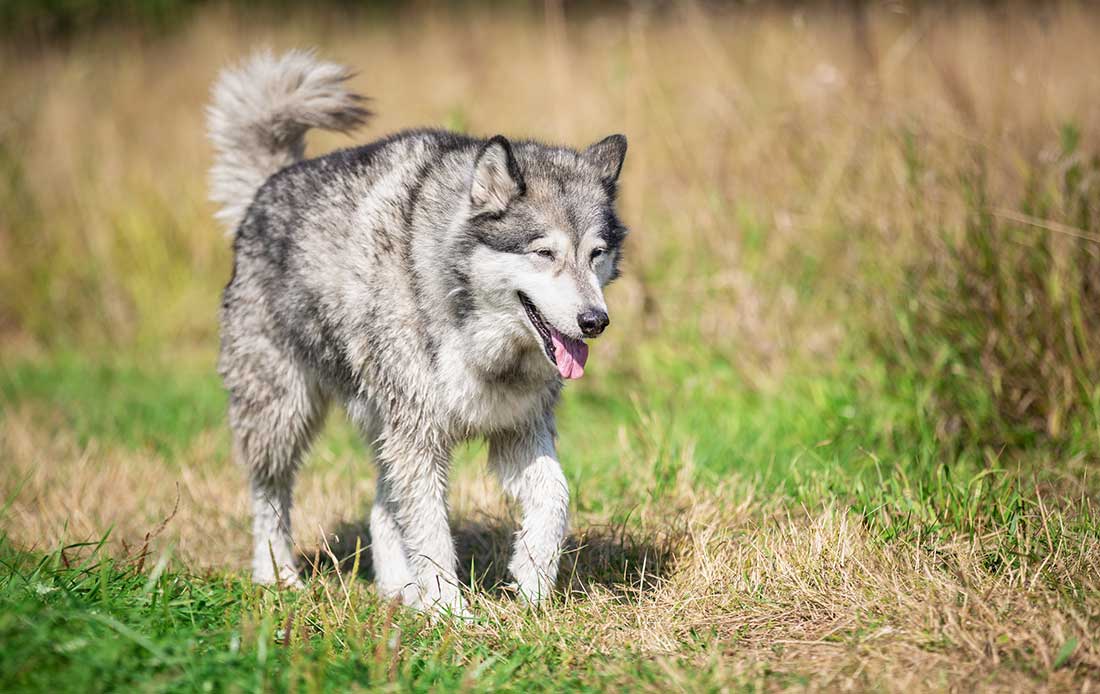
{"x": 711, "y": 589}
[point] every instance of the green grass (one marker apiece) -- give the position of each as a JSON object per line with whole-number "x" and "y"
{"x": 697, "y": 408}
{"x": 83, "y": 619}
{"x": 809, "y": 437}
{"x": 119, "y": 403}
{"x": 106, "y": 625}
{"x": 102, "y": 625}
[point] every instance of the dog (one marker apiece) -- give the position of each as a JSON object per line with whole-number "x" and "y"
{"x": 440, "y": 286}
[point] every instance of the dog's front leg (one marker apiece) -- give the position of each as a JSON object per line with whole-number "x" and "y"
{"x": 528, "y": 469}
{"x": 416, "y": 481}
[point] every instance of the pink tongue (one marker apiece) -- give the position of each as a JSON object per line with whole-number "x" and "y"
{"x": 570, "y": 354}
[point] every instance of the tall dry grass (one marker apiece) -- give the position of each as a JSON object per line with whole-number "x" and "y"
{"x": 781, "y": 161}
{"x": 1002, "y": 326}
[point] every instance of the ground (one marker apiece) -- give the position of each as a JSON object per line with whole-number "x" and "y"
{"x": 803, "y": 561}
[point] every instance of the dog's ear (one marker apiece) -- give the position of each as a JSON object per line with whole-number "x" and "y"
{"x": 607, "y": 156}
{"x": 497, "y": 180}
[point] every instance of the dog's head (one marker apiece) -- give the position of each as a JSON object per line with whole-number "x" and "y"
{"x": 546, "y": 240}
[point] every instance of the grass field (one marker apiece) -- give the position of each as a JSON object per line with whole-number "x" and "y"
{"x": 843, "y": 434}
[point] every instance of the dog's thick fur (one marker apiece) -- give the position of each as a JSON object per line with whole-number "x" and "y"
{"x": 389, "y": 277}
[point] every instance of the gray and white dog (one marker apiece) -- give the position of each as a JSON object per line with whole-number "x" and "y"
{"x": 440, "y": 286}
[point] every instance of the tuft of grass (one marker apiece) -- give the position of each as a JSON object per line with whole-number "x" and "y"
{"x": 1002, "y": 318}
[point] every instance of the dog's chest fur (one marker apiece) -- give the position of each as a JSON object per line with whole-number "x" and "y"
{"x": 501, "y": 386}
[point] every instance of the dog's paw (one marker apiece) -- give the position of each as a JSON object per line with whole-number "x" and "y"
{"x": 459, "y": 611}
{"x": 287, "y": 577}
{"x": 531, "y": 585}
{"x": 531, "y": 593}
{"x": 454, "y": 608}
{"x": 444, "y": 604}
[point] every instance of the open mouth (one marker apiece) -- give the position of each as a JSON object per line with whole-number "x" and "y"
{"x": 567, "y": 353}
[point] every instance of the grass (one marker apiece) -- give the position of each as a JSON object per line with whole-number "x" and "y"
{"x": 124, "y": 628}
{"x": 820, "y": 555}
{"x": 843, "y": 435}
{"x": 103, "y": 624}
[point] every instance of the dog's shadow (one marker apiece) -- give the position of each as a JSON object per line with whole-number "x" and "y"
{"x": 615, "y": 558}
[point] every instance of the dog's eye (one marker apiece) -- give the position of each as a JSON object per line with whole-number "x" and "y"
{"x": 597, "y": 252}
{"x": 544, "y": 253}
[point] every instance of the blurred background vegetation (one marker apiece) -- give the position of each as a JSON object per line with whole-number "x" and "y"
{"x": 905, "y": 195}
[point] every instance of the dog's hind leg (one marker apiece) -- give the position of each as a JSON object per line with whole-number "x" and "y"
{"x": 275, "y": 409}
{"x": 528, "y": 469}
{"x": 392, "y": 575}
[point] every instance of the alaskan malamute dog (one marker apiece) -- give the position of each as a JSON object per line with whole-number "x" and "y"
{"x": 440, "y": 286}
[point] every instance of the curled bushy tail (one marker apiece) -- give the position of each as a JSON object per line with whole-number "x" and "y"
{"x": 258, "y": 118}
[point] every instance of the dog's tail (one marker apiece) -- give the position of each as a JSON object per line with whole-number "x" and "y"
{"x": 258, "y": 118}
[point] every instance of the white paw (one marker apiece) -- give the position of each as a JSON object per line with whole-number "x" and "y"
{"x": 533, "y": 592}
{"x": 406, "y": 593}
{"x": 287, "y": 577}
{"x": 532, "y": 585}
{"x": 444, "y": 602}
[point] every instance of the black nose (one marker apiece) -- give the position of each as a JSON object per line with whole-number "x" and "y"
{"x": 592, "y": 321}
